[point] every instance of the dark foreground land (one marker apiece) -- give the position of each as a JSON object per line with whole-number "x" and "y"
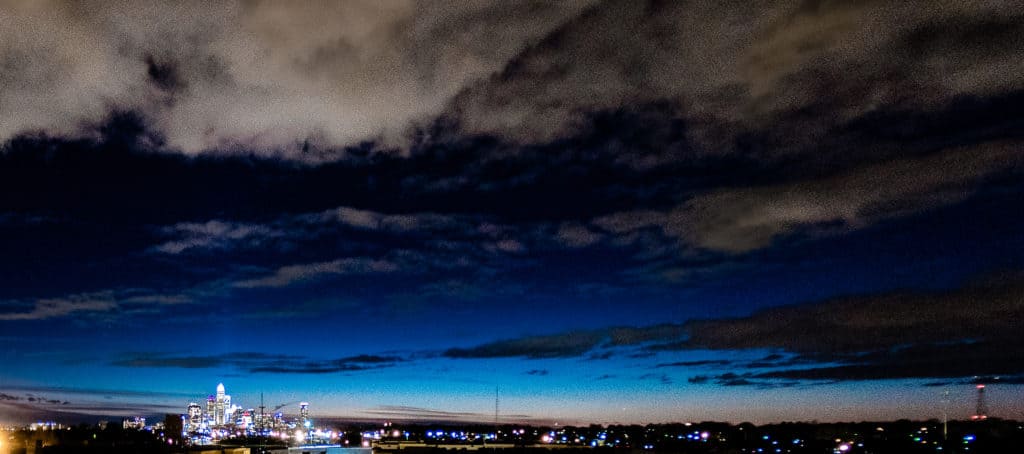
{"x": 899, "y": 437}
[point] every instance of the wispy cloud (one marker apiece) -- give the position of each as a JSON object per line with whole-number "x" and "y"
{"x": 108, "y": 301}
{"x": 71, "y": 403}
{"x": 61, "y": 307}
{"x": 212, "y": 235}
{"x": 62, "y": 390}
{"x": 291, "y": 274}
{"x": 744, "y": 219}
{"x": 384, "y": 222}
{"x": 449, "y": 242}
{"x": 577, "y": 235}
{"x": 427, "y": 414}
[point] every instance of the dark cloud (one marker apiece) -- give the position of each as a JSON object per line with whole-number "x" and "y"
{"x": 371, "y": 359}
{"x": 624, "y": 335}
{"x": 572, "y": 344}
{"x": 970, "y": 331}
{"x": 256, "y": 362}
{"x": 661, "y": 378}
{"x": 311, "y": 368}
{"x": 978, "y": 312}
{"x": 998, "y": 379}
{"x": 534, "y": 347}
{"x": 186, "y": 362}
{"x": 708, "y": 362}
{"x": 347, "y": 364}
{"x": 732, "y": 379}
{"x": 540, "y": 372}
{"x": 963, "y": 358}
{"x": 775, "y": 360}
{"x": 966, "y": 332}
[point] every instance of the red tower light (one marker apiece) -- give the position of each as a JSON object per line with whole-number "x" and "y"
{"x": 981, "y": 411}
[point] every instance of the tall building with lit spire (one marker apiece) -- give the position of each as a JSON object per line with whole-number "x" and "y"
{"x": 222, "y": 406}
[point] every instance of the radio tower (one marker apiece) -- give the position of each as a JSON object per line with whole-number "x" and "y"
{"x": 981, "y": 411}
{"x": 495, "y": 415}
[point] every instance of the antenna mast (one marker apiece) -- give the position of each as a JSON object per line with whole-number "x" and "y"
{"x": 495, "y": 416}
{"x": 262, "y": 425}
{"x": 945, "y": 415}
{"x": 981, "y": 409}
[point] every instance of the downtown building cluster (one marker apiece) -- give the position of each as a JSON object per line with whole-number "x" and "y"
{"x": 219, "y": 418}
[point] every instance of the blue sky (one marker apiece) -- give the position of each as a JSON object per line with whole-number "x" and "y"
{"x": 608, "y": 212}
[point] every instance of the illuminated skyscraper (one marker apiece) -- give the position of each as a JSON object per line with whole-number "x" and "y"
{"x": 211, "y": 409}
{"x": 195, "y": 416}
{"x": 304, "y": 413}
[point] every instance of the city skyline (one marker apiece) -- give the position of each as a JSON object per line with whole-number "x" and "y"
{"x": 591, "y": 211}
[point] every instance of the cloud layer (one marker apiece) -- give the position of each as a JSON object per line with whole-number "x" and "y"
{"x": 738, "y": 68}
{"x": 971, "y": 331}
{"x": 751, "y": 194}
{"x": 254, "y": 74}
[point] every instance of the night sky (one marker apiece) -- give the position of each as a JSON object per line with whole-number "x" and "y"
{"x": 606, "y": 212}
